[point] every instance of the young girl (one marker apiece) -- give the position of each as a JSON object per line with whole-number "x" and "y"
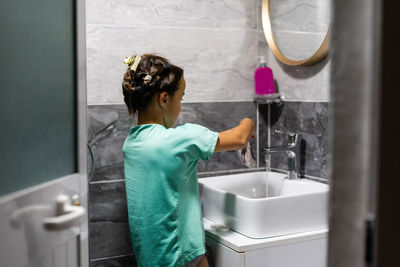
{"x": 160, "y": 162}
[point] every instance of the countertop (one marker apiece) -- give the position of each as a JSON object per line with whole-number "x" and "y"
{"x": 241, "y": 243}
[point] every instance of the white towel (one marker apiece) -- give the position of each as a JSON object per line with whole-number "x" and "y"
{"x": 246, "y": 157}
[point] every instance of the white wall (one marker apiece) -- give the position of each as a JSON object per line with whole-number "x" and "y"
{"x": 216, "y": 42}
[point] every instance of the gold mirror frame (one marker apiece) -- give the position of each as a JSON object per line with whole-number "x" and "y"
{"x": 315, "y": 58}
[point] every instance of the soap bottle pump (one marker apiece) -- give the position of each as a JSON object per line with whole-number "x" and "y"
{"x": 263, "y": 79}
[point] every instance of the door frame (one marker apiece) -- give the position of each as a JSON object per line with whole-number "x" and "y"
{"x": 353, "y": 129}
{"x": 80, "y": 13}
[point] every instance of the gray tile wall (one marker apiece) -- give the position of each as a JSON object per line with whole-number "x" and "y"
{"x": 110, "y": 124}
{"x": 310, "y": 121}
{"x": 108, "y": 128}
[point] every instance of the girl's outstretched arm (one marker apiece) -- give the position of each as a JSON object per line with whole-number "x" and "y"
{"x": 237, "y": 137}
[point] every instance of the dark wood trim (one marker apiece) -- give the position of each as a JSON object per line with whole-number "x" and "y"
{"x": 387, "y": 234}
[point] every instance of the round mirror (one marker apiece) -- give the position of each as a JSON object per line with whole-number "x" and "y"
{"x": 297, "y": 32}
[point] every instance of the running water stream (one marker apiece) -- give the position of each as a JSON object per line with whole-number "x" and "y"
{"x": 267, "y": 170}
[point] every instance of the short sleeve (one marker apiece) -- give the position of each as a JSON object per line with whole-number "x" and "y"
{"x": 196, "y": 140}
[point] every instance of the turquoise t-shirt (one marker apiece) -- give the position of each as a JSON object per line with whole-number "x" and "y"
{"x": 165, "y": 219}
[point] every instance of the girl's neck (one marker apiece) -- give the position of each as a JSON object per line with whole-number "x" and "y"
{"x": 146, "y": 119}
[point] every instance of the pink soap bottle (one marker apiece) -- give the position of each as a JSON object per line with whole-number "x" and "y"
{"x": 263, "y": 79}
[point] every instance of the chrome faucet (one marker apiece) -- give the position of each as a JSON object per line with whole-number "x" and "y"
{"x": 292, "y": 141}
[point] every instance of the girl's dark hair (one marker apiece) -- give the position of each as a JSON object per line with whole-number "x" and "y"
{"x": 138, "y": 93}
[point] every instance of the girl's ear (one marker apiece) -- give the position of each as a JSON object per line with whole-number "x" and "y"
{"x": 163, "y": 100}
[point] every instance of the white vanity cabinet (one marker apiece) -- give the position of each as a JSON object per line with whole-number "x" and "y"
{"x": 231, "y": 249}
{"x": 222, "y": 256}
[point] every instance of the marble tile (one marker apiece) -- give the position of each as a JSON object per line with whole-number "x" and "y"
{"x": 259, "y": 16}
{"x": 120, "y": 261}
{"x": 310, "y": 121}
{"x": 108, "y": 127}
{"x": 302, "y": 83}
{"x": 262, "y": 45}
{"x": 178, "y": 13}
{"x": 228, "y": 76}
{"x": 220, "y": 116}
{"x": 219, "y": 63}
{"x": 107, "y": 202}
{"x": 107, "y": 239}
{"x": 110, "y": 124}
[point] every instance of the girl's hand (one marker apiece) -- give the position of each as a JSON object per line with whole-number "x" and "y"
{"x": 253, "y": 125}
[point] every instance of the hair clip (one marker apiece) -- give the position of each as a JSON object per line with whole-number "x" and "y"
{"x": 128, "y": 60}
{"x": 147, "y": 79}
{"x": 132, "y": 61}
{"x": 136, "y": 63}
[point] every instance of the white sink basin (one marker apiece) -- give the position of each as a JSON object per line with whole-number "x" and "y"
{"x": 239, "y": 201}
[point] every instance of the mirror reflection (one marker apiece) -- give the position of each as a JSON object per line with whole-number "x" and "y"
{"x": 299, "y": 27}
